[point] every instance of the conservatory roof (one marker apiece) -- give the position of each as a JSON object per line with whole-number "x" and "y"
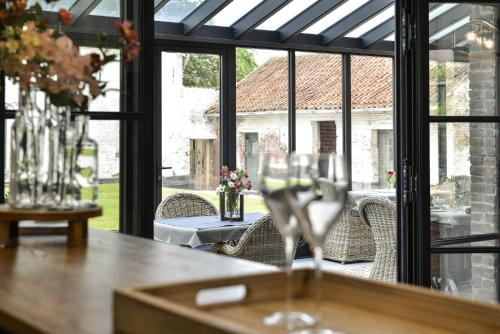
{"x": 361, "y": 26}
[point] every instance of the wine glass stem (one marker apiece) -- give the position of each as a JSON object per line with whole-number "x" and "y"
{"x": 289, "y": 246}
{"x": 318, "y": 260}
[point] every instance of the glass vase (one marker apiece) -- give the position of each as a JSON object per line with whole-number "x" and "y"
{"x": 26, "y": 135}
{"x": 63, "y": 149}
{"x": 86, "y": 168}
{"x": 53, "y": 120}
{"x": 233, "y": 206}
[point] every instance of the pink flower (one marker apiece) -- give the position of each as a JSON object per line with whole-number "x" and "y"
{"x": 390, "y": 173}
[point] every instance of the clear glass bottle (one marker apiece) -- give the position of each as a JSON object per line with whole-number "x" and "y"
{"x": 86, "y": 167}
{"x": 63, "y": 148}
{"x": 25, "y": 139}
{"x": 47, "y": 171}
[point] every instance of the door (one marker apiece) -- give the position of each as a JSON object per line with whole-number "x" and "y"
{"x": 385, "y": 145}
{"x": 252, "y": 161}
{"x": 449, "y": 84}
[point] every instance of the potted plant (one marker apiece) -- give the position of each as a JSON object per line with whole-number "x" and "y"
{"x": 231, "y": 186}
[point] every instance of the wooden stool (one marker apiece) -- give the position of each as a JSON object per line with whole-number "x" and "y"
{"x": 76, "y": 231}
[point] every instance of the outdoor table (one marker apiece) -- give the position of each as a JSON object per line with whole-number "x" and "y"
{"x": 201, "y": 230}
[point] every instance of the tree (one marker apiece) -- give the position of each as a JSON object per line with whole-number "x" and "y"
{"x": 201, "y": 70}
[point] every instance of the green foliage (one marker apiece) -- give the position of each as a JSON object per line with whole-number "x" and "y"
{"x": 245, "y": 63}
{"x": 201, "y": 70}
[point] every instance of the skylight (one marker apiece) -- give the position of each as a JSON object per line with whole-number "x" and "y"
{"x": 110, "y": 8}
{"x": 451, "y": 28}
{"x": 233, "y": 12}
{"x": 441, "y": 10}
{"x": 54, "y": 6}
{"x": 287, "y": 13}
{"x": 372, "y": 23}
{"x": 176, "y": 10}
{"x": 335, "y": 16}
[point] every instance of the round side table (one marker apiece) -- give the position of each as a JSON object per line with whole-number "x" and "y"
{"x": 77, "y": 230}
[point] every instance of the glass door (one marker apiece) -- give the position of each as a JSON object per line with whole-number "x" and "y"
{"x": 449, "y": 74}
{"x": 464, "y": 148}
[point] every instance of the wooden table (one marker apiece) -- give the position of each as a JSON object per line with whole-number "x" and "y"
{"x": 47, "y": 287}
{"x": 76, "y": 230}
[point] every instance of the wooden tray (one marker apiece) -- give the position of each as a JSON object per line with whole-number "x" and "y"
{"x": 349, "y": 304}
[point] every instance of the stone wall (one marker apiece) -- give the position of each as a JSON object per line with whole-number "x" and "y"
{"x": 484, "y": 154}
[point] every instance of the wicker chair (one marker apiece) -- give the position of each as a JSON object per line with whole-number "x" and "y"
{"x": 380, "y": 213}
{"x": 261, "y": 243}
{"x": 184, "y": 205}
{"x": 350, "y": 240}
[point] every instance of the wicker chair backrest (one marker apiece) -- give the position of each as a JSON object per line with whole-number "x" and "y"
{"x": 185, "y": 205}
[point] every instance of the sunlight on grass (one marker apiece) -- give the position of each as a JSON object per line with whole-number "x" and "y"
{"x": 253, "y": 203}
{"x": 109, "y": 199}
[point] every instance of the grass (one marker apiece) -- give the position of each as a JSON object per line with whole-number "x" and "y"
{"x": 109, "y": 199}
{"x": 109, "y": 195}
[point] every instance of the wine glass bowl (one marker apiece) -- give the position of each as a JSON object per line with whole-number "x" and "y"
{"x": 318, "y": 193}
{"x": 274, "y": 187}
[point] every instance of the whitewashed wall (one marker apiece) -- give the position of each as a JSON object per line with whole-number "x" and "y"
{"x": 183, "y": 115}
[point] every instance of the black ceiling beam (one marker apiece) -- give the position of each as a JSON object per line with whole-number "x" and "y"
{"x": 351, "y": 21}
{"x": 307, "y": 18}
{"x": 202, "y": 14}
{"x": 380, "y": 32}
{"x": 256, "y": 16}
{"x": 82, "y": 8}
{"x": 171, "y": 33}
{"x": 160, "y": 5}
{"x": 448, "y": 18}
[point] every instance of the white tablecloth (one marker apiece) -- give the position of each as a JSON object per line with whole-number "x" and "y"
{"x": 197, "y": 231}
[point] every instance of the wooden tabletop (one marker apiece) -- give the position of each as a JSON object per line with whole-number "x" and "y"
{"x": 42, "y": 214}
{"x": 46, "y": 287}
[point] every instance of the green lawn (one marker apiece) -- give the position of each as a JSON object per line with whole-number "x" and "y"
{"x": 109, "y": 199}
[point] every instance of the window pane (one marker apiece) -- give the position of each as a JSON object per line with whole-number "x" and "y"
{"x": 286, "y": 14}
{"x": 107, "y": 135}
{"x": 190, "y": 124}
{"x": 463, "y": 58}
{"x": 176, "y": 10}
{"x": 468, "y": 275}
{"x": 380, "y": 18}
{"x": 372, "y": 122}
{"x": 11, "y": 95}
{"x": 233, "y": 12}
{"x": 107, "y": 8}
{"x": 335, "y": 16}
{"x": 112, "y": 73}
{"x": 261, "y": 110}
{"x": 318, "y": 102}
{"x": 53, "y": 6}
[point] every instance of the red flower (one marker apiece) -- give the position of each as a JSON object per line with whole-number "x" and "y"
{"x": 390, "y": 173}
{"x": 249, "y": 185}
{"x": 65, "y": 16}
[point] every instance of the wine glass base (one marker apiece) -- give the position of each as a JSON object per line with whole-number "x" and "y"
{"x": 289, "y": 320}
{"x": 316, "y": 331}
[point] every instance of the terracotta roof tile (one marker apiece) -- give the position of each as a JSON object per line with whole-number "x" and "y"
{"x": 318, "y": 84}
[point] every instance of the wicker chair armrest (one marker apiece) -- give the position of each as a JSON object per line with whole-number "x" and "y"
{"x": 226, "y": 249}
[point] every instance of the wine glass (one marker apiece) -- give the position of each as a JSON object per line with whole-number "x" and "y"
{"x": 274, "y": 186}
{"x": 318, "y": 184}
